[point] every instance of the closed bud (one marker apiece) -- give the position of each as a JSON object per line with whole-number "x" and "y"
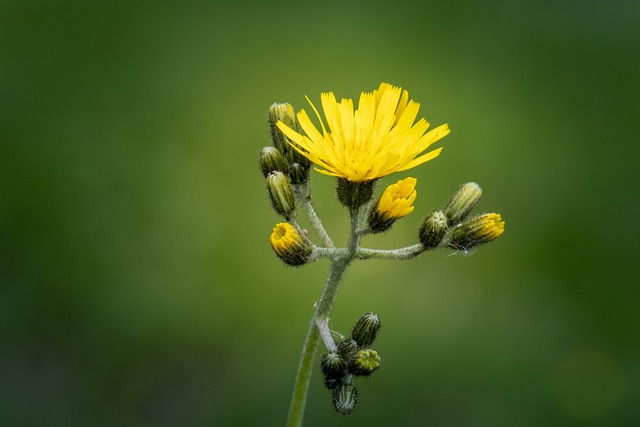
{"x": 345, "y": 398}
{"x": 289, "y": 245}
{"x": 366, "y": 329}
{"x": 347, "y": 348}
{"x": 353, "y": 194}
{"x": 365, "y": 362}
{"x": 280, "y": 194}
{"x": 298, "y": 173}
{"x": 271, "y": 160}
{"x": 433, "y": 229}
{"x": 396, "y": 202}
{"x": 284, "y": 113}
{"x": 462, "y": 202}
{"x": 333, "y": 365}
{"x": 477, "y": 231}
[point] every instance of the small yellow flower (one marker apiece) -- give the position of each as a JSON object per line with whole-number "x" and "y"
{"x": 375, "y": 140}
{"x": 397, "y": 200}
{"x": 288, "y": 245}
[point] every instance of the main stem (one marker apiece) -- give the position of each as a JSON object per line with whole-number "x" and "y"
{"x": 321, "y": 314}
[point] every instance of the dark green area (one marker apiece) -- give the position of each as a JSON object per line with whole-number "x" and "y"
{"x": 137, "y": 285}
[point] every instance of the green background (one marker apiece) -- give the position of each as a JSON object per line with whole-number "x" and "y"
{"x": 138, "y": 287}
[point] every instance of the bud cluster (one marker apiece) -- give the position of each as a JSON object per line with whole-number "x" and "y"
{"x": 452, "y": 226}
{"x": 353, "y": 357}
{"x": 281, "y": 165}
{"x": 293, "y": 164}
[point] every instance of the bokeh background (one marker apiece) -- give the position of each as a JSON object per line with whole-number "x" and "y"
{"x": 137, "y": 285}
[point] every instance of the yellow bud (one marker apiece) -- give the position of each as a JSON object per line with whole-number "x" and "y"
{"x": 289, "y": 245}
{"x": 396, "y": 201}
{"x": 477, "y": 231}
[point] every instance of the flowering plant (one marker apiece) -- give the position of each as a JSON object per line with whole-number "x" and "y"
{"x": 357, "y": 147}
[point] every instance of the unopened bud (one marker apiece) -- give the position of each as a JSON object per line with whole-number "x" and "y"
{"x": 289, "y": 246}
{"x": 271, "y": 160}
{"x": 477, "y": 231}
{"x": 284, "y": 113}
{"x": 366, "y": 329}
{"x": 396, "y": 202}
{"x": 345, "y": 398}
{"x": 347, "y": 348}
{"x": 298, "y": 173}
{"x": 333, "y": 365}
{"x": 365, "y": 362}
{"x": 433, "y": 229}
{"x": 280, "y": 194}
{"x": 353, "y": 194}
{"x": 462, "y": 202}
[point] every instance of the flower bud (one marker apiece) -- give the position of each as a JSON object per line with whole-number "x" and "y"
{"x": 353, "y": 194}
{"x": 347, "y": 348}
{"x": 289, "y": 246}
{"x": 271, "y": 160}
{"x": 281, "y": 112}
{"x": 333, "y": 365}
{"x": 298, "y": 173}
{"x": 284, "y": 113}
{"x": 395, "y": 202}
{"x": 433, "y": 229}
{"x": 462, "y": 202}
{"x": 366, "y": 329}
{"x": 477, "y": 231}
{"x": 280, "y": 194}
{"x": 345, "y": 398}
{"x": 365, "y": 362}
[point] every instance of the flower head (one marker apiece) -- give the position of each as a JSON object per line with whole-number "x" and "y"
{"x": 377, "y": 139}
{"x": 288, "y": 245}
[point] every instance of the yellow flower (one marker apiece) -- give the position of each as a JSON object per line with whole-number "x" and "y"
{"x": 377, "y": 139}
{"x": 288, "y": 245}
{"x": 397, "y": 200}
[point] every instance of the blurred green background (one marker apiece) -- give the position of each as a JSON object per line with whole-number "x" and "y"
{"x": 137, "y": 285}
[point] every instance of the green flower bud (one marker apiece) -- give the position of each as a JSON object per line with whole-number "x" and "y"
{"x": 366, "y": 329}
{"x": 345, "y": 398}
{"x": 281, "y": 112}
{"x": 280, "y": 194}
{"x": 298, "y": 173}
{"x": 365, "y": 362}
{"x": 289, "y": 246}
{"x": 354, "y": 194}
{"x": 271, "y": 160}
{"x": 477, "y": 231}
{"x": 333, "y": 365}
{"x": 285, "y": 114}
{"x": 462, "y": 202}
{"x": 433, "y": 229}
{"x": 347, "y": 348}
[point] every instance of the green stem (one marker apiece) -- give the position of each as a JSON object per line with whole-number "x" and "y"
{"x": 303, "y": 194}
{"x": 321, "y": 316}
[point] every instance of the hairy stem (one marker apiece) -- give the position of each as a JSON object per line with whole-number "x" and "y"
{"x": 303, "y": 194}
{"x": 320, "y": 324}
